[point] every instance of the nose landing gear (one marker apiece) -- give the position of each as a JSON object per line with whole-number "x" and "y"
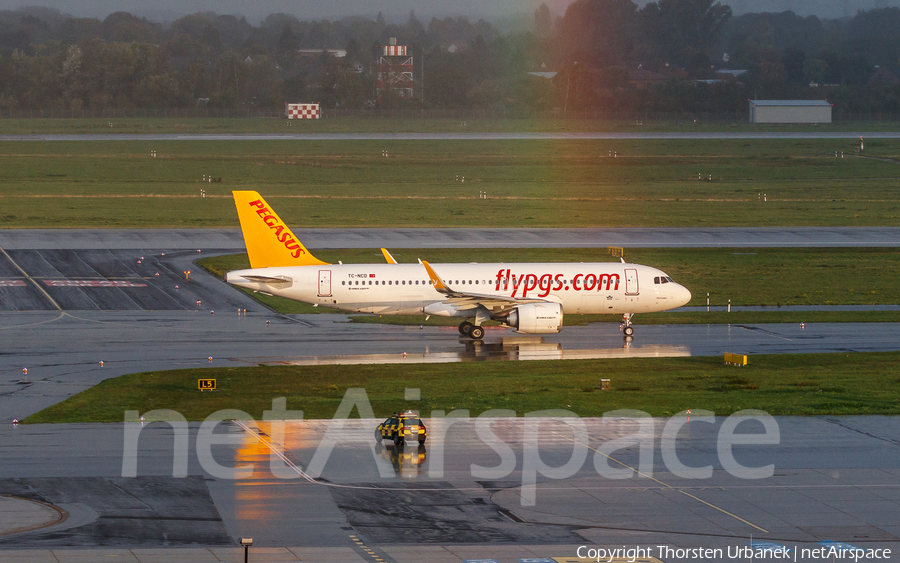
{"x": 627, "y": 329}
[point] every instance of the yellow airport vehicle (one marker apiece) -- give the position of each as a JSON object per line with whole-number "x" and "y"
{"x": 402, "y": 427}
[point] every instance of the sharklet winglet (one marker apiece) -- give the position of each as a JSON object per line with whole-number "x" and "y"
{"x": 387, "y": 256}
{"x": 439, "y": 284}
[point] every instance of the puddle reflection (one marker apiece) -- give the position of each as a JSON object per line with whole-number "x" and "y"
{"x": 506, "y": 349}
{"x": 406, "y": 459}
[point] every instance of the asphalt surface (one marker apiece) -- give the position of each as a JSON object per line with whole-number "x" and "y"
{"x": 231, "y": 239}
{"x": 108, "y": 280}
{"x": 834, "y": 479}
{"x": 461, "y": 136}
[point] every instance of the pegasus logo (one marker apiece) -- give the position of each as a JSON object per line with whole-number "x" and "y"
{"x": 282, "y": 233}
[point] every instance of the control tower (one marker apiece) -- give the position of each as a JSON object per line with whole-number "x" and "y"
{"x": 395, "y": 70}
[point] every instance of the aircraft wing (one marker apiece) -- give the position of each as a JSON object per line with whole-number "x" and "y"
{"x": 464, "y": 301}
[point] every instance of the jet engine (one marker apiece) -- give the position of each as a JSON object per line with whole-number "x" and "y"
{"x": 536, "y": 318}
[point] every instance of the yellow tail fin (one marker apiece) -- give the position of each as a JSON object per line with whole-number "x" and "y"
{"x": 269, "y": 241}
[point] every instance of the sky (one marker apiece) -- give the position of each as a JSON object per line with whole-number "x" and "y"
{"x": 398, "y": 10}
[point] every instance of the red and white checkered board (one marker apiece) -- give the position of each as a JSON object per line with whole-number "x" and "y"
{"x": 303, "y": 111}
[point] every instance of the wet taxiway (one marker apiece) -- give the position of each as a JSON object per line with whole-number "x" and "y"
{"x": 108, "y": 280}
{"x": 62, "y": 350}
{"x": 834, "y": 478}
{"x": 474, "y": 484}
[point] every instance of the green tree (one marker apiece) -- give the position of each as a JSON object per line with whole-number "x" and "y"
{"x": 599, "y": 33}
{"x": 679, "y": 28}
{"x": 543, "y": 21}
{"x": 875, "y": 35}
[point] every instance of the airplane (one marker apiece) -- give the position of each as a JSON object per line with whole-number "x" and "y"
{"x": 530, "y": 298}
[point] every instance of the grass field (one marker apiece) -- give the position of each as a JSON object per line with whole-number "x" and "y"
{"x": 764, "y": 276}
{"x": 810, "y": 384}
{"x": 529, "y": 183}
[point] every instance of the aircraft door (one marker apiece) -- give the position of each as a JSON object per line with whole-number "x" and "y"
{"x": 631, "y": 281}
{"x": 324, "y": 283}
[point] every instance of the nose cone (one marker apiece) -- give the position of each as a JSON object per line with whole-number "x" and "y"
{"x": 682, "y": 295}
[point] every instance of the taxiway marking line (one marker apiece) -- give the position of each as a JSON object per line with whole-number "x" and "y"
{"x": 275, "y": 450}
{"x": 665, "y": 485}
{"x": 29, "y": 278}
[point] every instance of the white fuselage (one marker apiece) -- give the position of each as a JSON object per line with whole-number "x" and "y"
{"x": 405, "y": 289}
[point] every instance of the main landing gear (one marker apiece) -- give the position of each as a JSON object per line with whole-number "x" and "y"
{"x": 627, "y": 329}
{"x": 472, "y": 331}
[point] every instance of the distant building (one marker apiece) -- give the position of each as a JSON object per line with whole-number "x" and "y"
{"x": 790, "y": 111}
{"x": 336, "y": 53}
{"x": 395, "y": 70}
{"x": 642, "y": 77}
{"x": 547, "y": 75}
{"x": 729, "y": 73}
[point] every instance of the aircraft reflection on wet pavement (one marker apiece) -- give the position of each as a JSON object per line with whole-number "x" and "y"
{"x": 511, "y": 348}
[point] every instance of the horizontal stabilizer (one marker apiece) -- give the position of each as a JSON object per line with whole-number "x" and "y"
{"x": 280, "y": 282}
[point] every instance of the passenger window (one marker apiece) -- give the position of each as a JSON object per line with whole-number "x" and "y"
{"x": 343, "y": 283}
